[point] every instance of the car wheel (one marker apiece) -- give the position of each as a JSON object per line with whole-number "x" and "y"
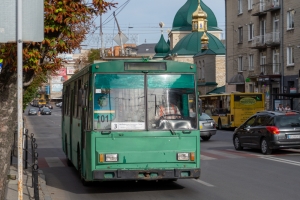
{"x": 237, "y": 143}
{"x": 264, "y": 146}
{"x": 205, "y": 138}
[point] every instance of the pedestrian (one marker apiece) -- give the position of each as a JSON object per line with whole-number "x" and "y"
{"x": 280, "y": 107}
{"x": 287, "y": 108}
{"x": 169, "y": 110}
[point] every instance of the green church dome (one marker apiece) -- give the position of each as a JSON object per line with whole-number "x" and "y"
{"x": 183, "y": 18}
{"x": 191, "y": 44}
{"x": 161, "y": 48}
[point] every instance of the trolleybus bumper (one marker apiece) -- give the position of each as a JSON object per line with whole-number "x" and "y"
{"x": 146, "y": 174}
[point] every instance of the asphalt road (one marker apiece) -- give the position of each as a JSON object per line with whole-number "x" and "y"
{"x": 226, "y": 174}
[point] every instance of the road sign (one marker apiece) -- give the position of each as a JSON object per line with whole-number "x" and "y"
{"x": 118, "y": 38}
{"x": 32, "y": 17}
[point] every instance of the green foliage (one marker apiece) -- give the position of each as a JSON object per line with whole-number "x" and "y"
{"x": 31, "y": 91}
{"x": 94, "y": 54}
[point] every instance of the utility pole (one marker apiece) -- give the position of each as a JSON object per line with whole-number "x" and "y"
{"x": 20, "y": 96}
{"x": 120, "y": 35}
{"x": 101, "y": 36}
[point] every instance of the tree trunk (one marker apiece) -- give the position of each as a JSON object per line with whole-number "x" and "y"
{"x": 8, "y": 125}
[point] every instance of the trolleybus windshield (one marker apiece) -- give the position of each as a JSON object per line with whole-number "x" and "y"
{"x": 120, "y": 102}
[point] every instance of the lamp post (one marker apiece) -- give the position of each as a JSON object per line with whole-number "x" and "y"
{"x": 129, "y": 27}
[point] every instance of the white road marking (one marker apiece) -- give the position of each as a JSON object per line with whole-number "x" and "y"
{"x": 223, "y": 154}
{"x": 54, "y": 162}
{"x": 203, "y": 157}
{"x": 203, "y": 183}
{"x": 281, "y": 160}
{"x": 244, "y": 152}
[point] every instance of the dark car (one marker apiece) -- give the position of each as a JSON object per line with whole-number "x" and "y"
{"x": 32, "y": 111}
{"x": 269, "y": 130}
{"x": 207, "y": 127}
{"x": 46, "y": 111}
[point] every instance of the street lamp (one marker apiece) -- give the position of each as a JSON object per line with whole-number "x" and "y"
{"x": 128, "y": 31}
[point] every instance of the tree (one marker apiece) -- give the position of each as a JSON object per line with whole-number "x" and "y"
{"x": 66, "y": 23}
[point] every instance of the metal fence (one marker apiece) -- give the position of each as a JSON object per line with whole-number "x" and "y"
{"x": 28, "y": 161}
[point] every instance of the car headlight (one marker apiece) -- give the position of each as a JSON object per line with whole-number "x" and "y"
{"x": 183, "y": 156}
{"x": 111, "y": 157}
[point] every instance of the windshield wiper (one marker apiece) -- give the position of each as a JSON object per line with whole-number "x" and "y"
{"x": 295, "y": 124}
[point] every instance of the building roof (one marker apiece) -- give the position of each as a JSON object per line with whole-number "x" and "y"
{"x": 183, "y": 18}
{"x": 146, "y": 49}
{"x": 191, "y": 45}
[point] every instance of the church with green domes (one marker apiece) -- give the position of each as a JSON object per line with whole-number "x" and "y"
{"x": 195, "y": 38}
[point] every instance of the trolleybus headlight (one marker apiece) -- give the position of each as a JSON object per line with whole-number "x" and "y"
{"x": 183, "y": 156}
{"x": 111, "y": 157}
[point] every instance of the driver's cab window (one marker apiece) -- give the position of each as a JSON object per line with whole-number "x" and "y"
{"x": 250, "y": 122}
{"x": 171, "y": 102}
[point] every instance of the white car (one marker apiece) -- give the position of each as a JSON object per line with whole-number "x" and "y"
{"x": 207, "y": 127}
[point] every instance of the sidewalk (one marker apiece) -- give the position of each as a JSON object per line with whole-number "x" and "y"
{"x": 28, "y": 192}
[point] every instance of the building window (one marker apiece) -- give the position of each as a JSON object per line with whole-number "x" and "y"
{"x": 275, "y": 62}
{"x": 290, "y": 19}
{"x": 262, "y": 31}
{"x": 263, "y": 64}
{"x": 240, "y": 63}
{"x": 240, "y": 35}
{"x": 251, "y": 67}
{"x": 250, "y": 4}
{"x": 250, "y": 32}
{"x": 262, "y": 5}
{"x": 240, "y": 6}
{"x": 290, "y": 56}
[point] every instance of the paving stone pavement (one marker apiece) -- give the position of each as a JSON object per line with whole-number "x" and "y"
{"x": 28, "y": 191}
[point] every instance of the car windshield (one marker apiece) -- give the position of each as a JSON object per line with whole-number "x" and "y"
{"x": 205, "y": 117}
{"x": 288, "y": 121}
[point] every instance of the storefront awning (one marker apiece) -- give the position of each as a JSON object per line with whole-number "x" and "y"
{"x": 237, "y": 79}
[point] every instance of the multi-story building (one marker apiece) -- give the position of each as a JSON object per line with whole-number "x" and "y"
{"x": 263, "y": 47}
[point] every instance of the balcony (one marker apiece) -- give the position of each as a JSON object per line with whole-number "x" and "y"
{"x": 258, "y": 9}
{"x": 272, "y": 39}
{"x": 270, "y": 69}
{"x": 272, "y": 5}
{"x": 258, "y": 42}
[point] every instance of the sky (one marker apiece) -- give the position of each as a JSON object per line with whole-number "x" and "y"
{"x": 139, "y": 21}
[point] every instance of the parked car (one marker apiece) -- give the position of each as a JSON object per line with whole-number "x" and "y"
{"x": 46, "y": 111}
{"x": 32, "y": 111}
{"x": 49, "y": 106}
{"x": 207, "y": 127}
{"x": 59, "y": 104}
{"x": 269, "y": 130}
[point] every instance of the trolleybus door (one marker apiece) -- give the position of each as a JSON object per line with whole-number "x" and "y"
{"x": 71, "y": 122}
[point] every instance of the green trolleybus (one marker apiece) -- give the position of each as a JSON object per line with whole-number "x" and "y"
{"x": 112, "y": 127}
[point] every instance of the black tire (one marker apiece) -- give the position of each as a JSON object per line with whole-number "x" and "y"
{"x": 69, "y": 162}
{"x": 84, "y": 182}
{"x": 205, "y": 138}
{"x": 79, "y": 162}
{"x": 219, "y": 124}
{"x": 264, "y": 147}
{"x": 237, "y": 143}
